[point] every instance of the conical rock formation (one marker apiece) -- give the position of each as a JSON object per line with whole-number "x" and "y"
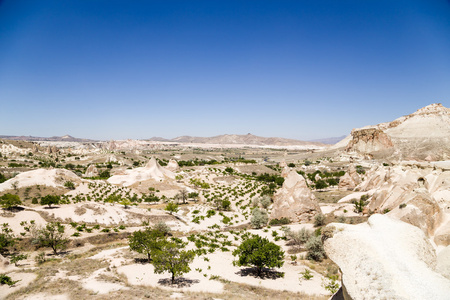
{"x": 295, "y": 200}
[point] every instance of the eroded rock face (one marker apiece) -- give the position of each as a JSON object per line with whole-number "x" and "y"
{"x": 91, "y": 171}
{"x": 295, "y": 200}
{"x": 386, "y": 259}
{"x": 418, "y": 196}
{"x": 172, "y": 165}
{"x": 369, "y": 140}
{"x": 350, "y": 179}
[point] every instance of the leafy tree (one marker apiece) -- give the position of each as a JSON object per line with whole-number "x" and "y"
{"x": 9, "y": 201}
{"x": 259, "y": 252}
{"x": 50, "y": 199}
{"x": 52, "y": 235}
{"x": 321, "y": 184}
{"x": 126, "y": 203}
{"x": 7, "y": 238}
{"x": 172, "y": 259}
{"x": 171, "y": 207}
{"x": 259, "y": 218}
{"x": 182, "y": 195}
{"x": 291, "y": 165}
{"x": 147, "y": 241}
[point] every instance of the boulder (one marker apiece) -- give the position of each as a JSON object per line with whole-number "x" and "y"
{"x": 295, "y": 200}
{"x": 386, "y": 259}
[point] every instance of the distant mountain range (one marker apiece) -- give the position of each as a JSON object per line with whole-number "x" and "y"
{"x": 65, "y": 138}
{"x": 329, "y": 141}
{"x": 236, "y": 139}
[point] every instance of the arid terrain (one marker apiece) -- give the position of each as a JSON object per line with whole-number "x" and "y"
{"x": 366, "y": 218}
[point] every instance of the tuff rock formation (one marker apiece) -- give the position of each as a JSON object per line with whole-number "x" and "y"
{"x": 419, "y": 196}
{"x": 386, "y": 259}
{"x": 172, "y": 165}
{"x": 368, "y": 141}
{"x": 91, "y": 171}
{"x": 295, "y": 200}
{"x": 350, "y": 179}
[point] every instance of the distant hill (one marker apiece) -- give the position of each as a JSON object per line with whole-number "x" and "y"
{"x": 329, "y": 141}
{"x": 236, "y": 139}
{"x": 65, "y": 138}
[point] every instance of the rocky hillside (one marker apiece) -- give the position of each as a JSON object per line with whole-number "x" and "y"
{"x": 423, "y": 135}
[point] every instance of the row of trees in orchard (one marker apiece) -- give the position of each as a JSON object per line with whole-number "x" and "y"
{"x": 167, "y": 253}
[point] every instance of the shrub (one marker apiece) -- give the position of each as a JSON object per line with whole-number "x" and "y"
{"x": 403, "y": 205}
{"x": 259, "y": 252}
{"x": 281, "y": 221}
{"x": 315, "y": 249}
{"x": 307, "y": 274}
{"x": 171, "y": 207}
{"x": 259, "y": 218}
{"x": 5, "y": 279}
{"x": 70, "y": 185}
{"x": 7, "y": 238}
{"x": 265, "y": 201}
{"x": 319, "y": 220}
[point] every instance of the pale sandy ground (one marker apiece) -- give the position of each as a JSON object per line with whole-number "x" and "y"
{"x": 25, "y": 279}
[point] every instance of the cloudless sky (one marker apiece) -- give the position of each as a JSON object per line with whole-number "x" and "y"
{"x": 107, "y": 69}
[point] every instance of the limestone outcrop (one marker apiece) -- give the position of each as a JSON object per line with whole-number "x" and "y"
{"x": 295, "y": 200}
{"x": 386, "y": 259}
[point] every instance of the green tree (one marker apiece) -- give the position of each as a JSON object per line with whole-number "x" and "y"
{"x": 259, "y": 252}
{"x": 52, "y": 236}
{"x": 172, "y": 259}
{"x": 7, "y": 238}
{"x": 147, "y": 241}
{"x": 321, "y": 184}
{"x": 50, "y": 199}
{"x": 104, "y": 174}
{"x": 9, "y": 201}
{"x": 171, "y": 207}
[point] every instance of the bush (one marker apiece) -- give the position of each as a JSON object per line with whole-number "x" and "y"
{"x": 259, "y": 252}
{"x": 315, "y": 249}
{"x": 319, "y": 220}
{"x": 5, "y": 279}
{"x": 171, "y": 207}
{"x": 7, "y": 238}
{"x": 70, "y": 185}
{"x": 265, "y": 201}
{"x": 403, "y": 205}
{"x": 281, "y": 221}
{"x": 259, "y": 218}
{"x": 307, "y": 274}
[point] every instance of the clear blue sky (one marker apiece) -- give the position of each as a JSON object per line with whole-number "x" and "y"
{"x": 106, "y": 69}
